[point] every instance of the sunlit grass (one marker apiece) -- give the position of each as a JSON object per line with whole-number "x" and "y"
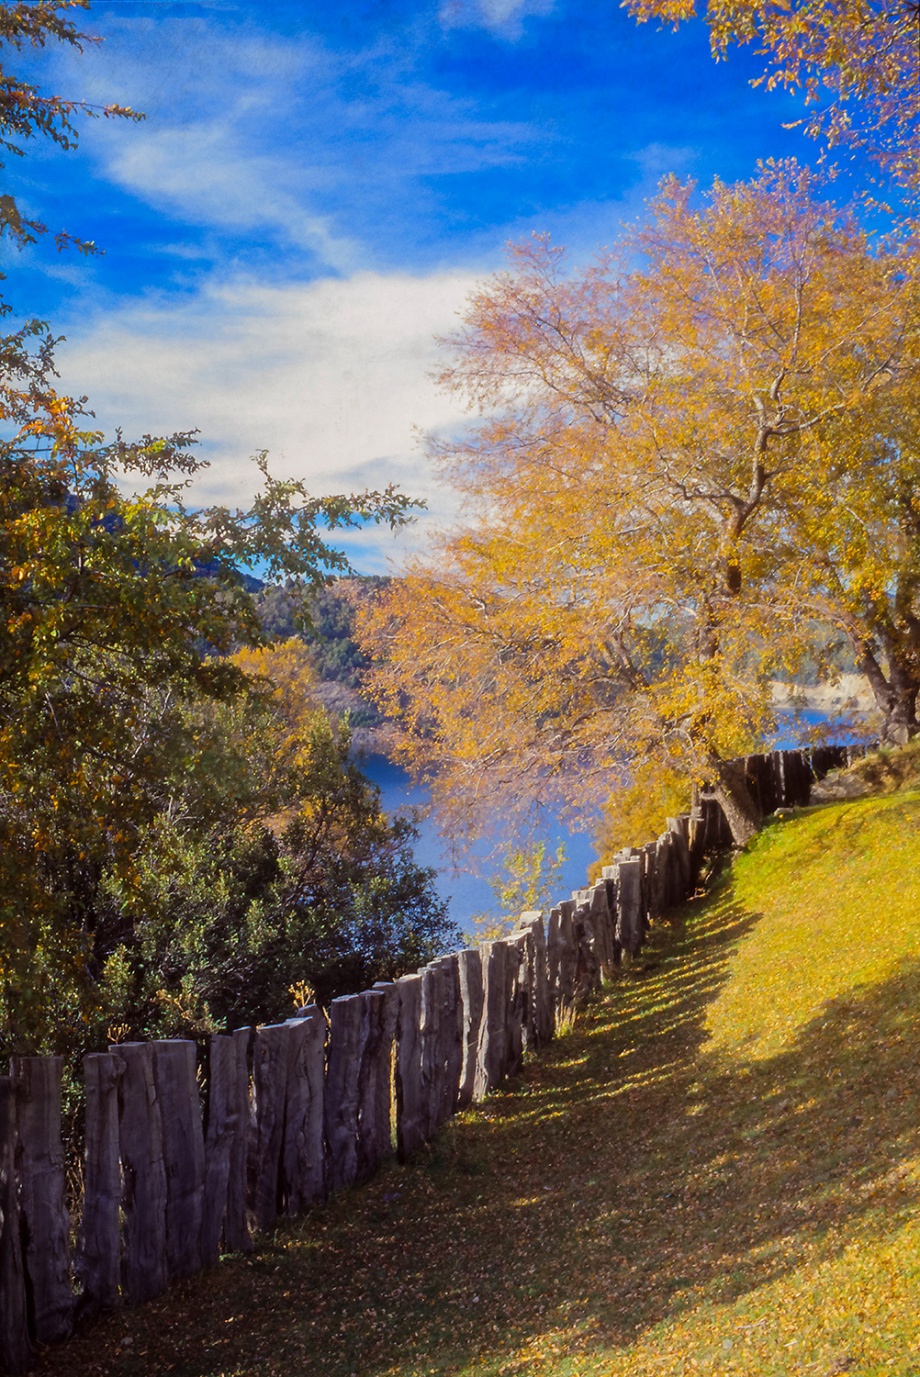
{"x": 839, "y": 894}
{"x": 717, "y": 1170}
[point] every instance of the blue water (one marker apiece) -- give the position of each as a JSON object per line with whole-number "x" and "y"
{"x": 467, "y": 888}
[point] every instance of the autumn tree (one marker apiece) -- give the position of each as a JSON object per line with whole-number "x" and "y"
{"x": 636, "y": 483}
{"x": 119, "y": 604}
{"x": 857, "y": 561}
{"x": 857, "y": 64}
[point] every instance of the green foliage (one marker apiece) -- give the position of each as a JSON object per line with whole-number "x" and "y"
{"x": 530, "y": 881}
{"x": 267, "y": 862}
{"x": 223, "y": 919}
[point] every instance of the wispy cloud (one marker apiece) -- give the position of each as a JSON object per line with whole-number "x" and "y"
{"x": 337, "y": 154}
{"x": 502, "y": 17}
{"x": 332, "y": 377}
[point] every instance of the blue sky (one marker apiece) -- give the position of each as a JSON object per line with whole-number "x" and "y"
{"x": 318, "y": 187}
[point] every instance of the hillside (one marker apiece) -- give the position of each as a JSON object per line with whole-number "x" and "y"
{"x": 717, "y": 1170}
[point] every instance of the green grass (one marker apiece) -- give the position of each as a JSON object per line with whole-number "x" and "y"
{"x": 717, "y": 1170}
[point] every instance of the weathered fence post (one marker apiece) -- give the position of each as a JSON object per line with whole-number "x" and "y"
{"x": 629, "y": 911}
{"x": 537, "y": 955}
{"x": 587, "y": 962}
{"x": 469, "y": 965}
{"x": 492, "y": 1058}
{"x": 374, "y": 1079}
{"x": 46, "y": 1224}
{"x": 567, "y": 953}
{"x": 527, "y": 978}
{"x": 140, "y": 1133}
{"x": 348, "y": 1026}
{"x": 270, "y": 1058}
{"x": 226, "y": 1139}
{"x": 410, "y": 1122}
{"x": 15, "y": 1347}
{"x": 98, "y": 1261}
{"x": 553, "y": 959}
{"x": 174, "y": 1066}
{"x": 304, "y": 1150}
{"x": 681, "y": 850}
{"x": 515, "y": 1005}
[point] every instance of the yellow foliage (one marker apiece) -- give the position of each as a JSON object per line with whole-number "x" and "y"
{"x": 286, "y": 672}
{"x": 856, "y": 63}
{"x": 638, "y": 812}
{"x": 654, "y": 496}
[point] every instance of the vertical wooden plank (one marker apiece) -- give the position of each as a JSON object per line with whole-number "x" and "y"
{"x": 629, "y": 916}
{"x": 304, "y": 1152}
{"x": 553, "y": 958}
{"x": 270, "y": 1058}
{"x": 410, "y": 1123}
{"x": 98, "y": 1260}
{"x": 46, "y": 1223}
{"x": 567, "y": 953}
{"x": 375, "y": 1079}
{"x": 587, "y": 966}
{"x": 385, "y": 1083}
{"x": 659, "y": 897}
{"x": 471, "y": 996}
{"x": 515, "y": 1004}
{"x": 237, "y": 1237}
{"x": 681, "y": 852}
{"x": 544, "y": 1014}
{"x": 348, "y": 1025}
{"x": 599, "y": 910}
{"x": 174, "y": 1066}
{"x": 140, "y": 1134}
{"x": 431, "y": 1047}
{"x": 611, "y": 875}
{"x": 649, "y": 880}
{"x": 15, "y": 1345}
{"x": 223, "y": 1122}
{"x": 493, "y": 1056}
{"x": 527, "y": 983}
{"x": 451, "y": 1036}
{"x": 367, "y": 1137}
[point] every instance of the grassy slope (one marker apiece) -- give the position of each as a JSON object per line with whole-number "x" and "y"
{"x": 717, "y": 1171}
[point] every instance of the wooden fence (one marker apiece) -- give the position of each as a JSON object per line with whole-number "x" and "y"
{"x": 296, "y": 1110}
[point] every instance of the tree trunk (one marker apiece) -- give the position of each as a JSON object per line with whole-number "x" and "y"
{"x": 738, "y": 803}
{"x": 895, "y": 695}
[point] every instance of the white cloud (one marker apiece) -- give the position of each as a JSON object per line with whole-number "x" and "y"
{"x": 331, "y": 377}
{"x": 502, "y": 17}
{"x": 201, "y": 173}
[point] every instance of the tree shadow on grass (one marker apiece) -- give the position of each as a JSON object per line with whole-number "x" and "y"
{"x": 626, "y": 1173}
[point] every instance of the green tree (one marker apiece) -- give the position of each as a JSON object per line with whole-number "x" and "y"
{"x": 231, "y": 907}
{"x": 117, "y": 610}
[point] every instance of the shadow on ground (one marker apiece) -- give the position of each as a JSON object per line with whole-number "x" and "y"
{"x": 624, "y": 1176}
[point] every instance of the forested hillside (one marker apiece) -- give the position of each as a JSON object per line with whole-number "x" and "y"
{"x": 326, "y": 622}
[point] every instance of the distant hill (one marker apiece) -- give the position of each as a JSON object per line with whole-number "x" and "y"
{"x": 329, "y": 632}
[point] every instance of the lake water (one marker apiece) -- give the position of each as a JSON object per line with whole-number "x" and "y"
{"x": 468, "y": 892}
